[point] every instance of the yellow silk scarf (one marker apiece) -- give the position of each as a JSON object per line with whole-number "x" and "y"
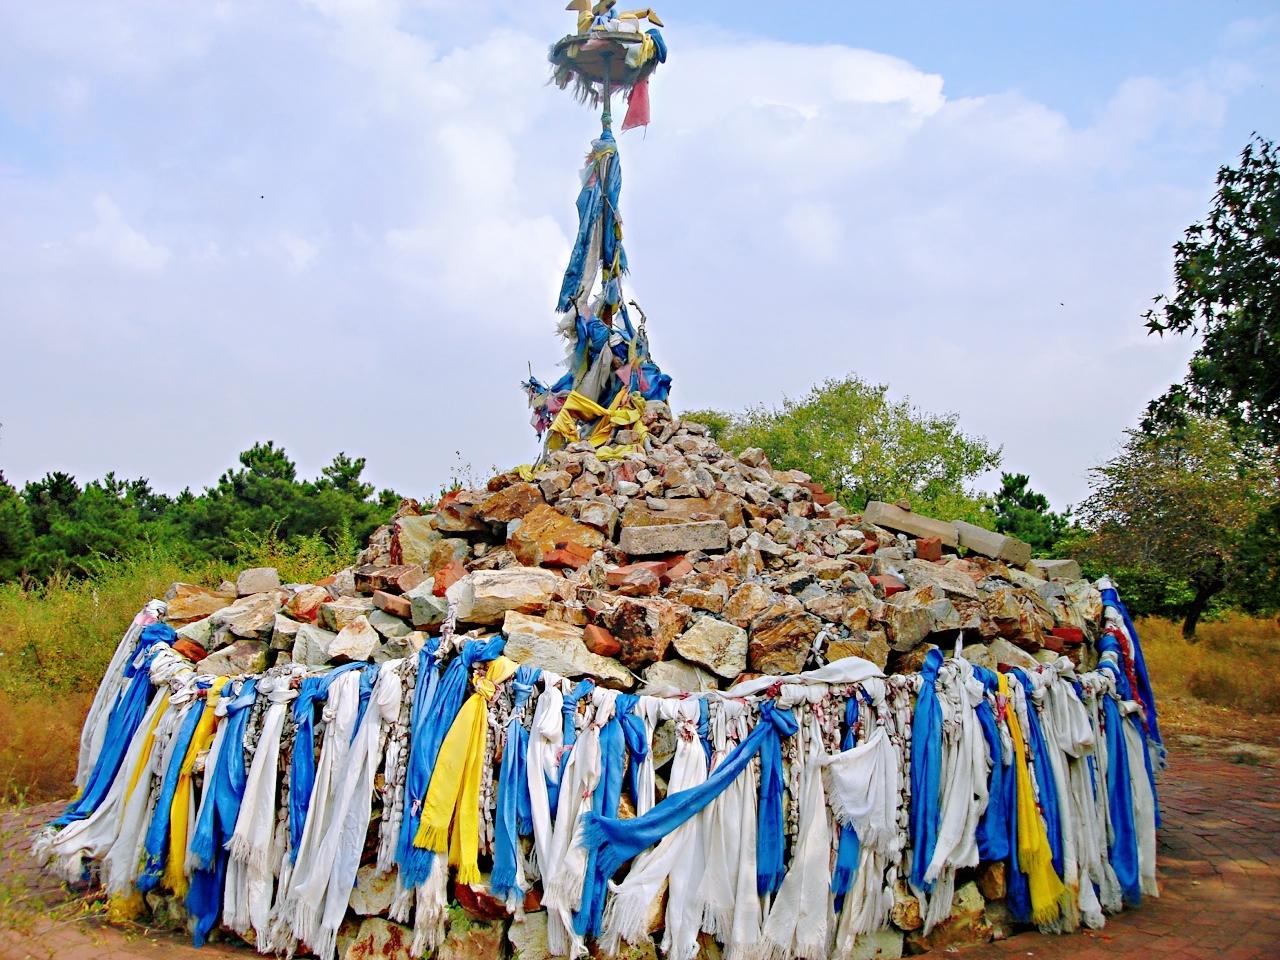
{"x": 454, "y": 793}
{"x": 1035, "y": 858}
{"x": 175, "y": 877}
{"x": 144, "y": 757}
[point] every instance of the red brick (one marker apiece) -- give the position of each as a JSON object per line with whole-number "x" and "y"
{"x": 889, "y": 584}
{"x": 600, "y": 641}
{"x": 447, "y": 576}
{"x": 928, "y": 548}
{"x": 389, "y": 603}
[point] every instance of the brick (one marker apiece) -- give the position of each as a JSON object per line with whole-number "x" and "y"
{"x": 390, "y": 603}
{"x": 929, "y": 548}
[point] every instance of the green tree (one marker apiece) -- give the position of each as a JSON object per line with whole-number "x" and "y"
{"x": 1025, "y": 514}
{"x": 1227, "y": 290}
{"x": 1179, "y": 505}
{"x": 15, "y": 532}
{"x": 848, "y": 435}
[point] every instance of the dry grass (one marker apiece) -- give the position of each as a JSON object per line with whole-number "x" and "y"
{"x": 1234, "y": 663}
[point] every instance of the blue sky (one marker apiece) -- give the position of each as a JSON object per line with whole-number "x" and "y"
{"x": 341, "y": 225}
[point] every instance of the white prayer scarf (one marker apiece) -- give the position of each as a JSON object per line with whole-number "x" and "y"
{"x": 542, "y": 765}
{"x": 1144, "y": 803}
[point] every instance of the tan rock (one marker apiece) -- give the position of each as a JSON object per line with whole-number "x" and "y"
{"x": 674, "y": 538}
{"x": 251, "y": 617}
{"x": 257, "y": 580}
{"x": 356, "y": 641}
{"x": 189, "y": 603}
{"x": 545, "y": 531}
{"x": 445, "y": 552}
{"x": 241, "y": 657}
{"x": 781, "y": 637}
{"x": 311, "y": 645}
{"x": 380, "y": 939}
{"x": 336, "y": 614}
{"x": 682, "y": 676}
{"x": 473, "y": 940}
{"x": 747, "y": 603}
{"x": 867, "y": 644}
{"x": 646, "y": 627}
{"x": 512, "y": 503}
{"x": 304, "y": 606}
{"x": 966, "y": 926}
{"x": 718, "y": 645}
{"x": 414, "y": 539}
{"x": 284, "y": 632}
{"x": 558, "y": 647}
{"x": 486, "y": 596}
{"x": 906, "y": 626}
{"x": 922, "y": 573}
{"x": 528, "y": 938}
{"x": 373, "y": 891}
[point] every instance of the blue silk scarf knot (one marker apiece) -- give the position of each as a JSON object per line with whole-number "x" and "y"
{"x": 993, "y": 829}
{"x": 771, "y": 865}
{"x": 155, "y": 846}
{"x": 926, "y": 770}
{"x": 513, "y": 813}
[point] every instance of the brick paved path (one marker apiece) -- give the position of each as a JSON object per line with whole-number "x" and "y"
{"x": 1219, "y": 872}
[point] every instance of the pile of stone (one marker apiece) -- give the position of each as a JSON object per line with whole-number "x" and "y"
{"x": 676, "y": 566}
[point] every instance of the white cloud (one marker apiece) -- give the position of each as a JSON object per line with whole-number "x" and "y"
{"x": 114, "y": 237}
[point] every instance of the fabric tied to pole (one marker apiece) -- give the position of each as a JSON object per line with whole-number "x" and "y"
{"x": 122, "y": 724}
{"x": 175, "y": 876}
{"x": 926, "y": 770}
{"x": 441, "y": 703}
{"x": 850, "y": 848}
{"x": 513, "y": 816}
{"x": 993, "y": 828}
{"x": 771, "y": 865}
{"x": 302, "y": 767}
{"x": 570, "y": 710}
{"x": 156, "y": 844}
{"x": 1123, "y": 848}
{"x": 1050, "y": 803}
{"x": 616, "y": 841}
{"x": 1144, "y": 693}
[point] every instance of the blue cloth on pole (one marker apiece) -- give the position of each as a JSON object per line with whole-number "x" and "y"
{"x": 451, "y": 692}
{"x": 771, "y": 865}
{"x": 616, "y": 841}
{"x": 926, "y": 770}
{"x": 122, "y": 723}
{"x": 992, "y": 833}
{"x": 155, "y": 846}
{"x": 1050, "y": 803}
{"x": 1123, "y": 849}
{"x": 512, "y": 813}
{"x": 1144, "y": 693}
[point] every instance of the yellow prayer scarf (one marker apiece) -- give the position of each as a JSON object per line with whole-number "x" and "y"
{"x": 175, "y": 876}
{"x": 1035, "y": 857}
{"x": 144, "y": 757}
{"x": 454, "y": 793}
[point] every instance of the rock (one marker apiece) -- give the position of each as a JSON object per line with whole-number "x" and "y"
{"x": 251, "y": 617}
{"x": 304, "y": 606}
{"x": 912, "y": 661}
{"x": 867, "y": 644}
{"x": 445, "y": 552}
{"x": 991, "y": 544}
{"x": 189, "y": 603}
{"x": 472, "y": 940}
{"x": 600, "y": 641}
{"x": 512, "y": 503}
{"x": 888, "y": 584}
{"x": 336, "y": 614}
{"x": 528, "y": 938}
{"x": 241, "y": 657}
{"x": 646, "y": 627}
{"x": 396, "y": 579}
{"x": 373, "y": 891}
{"x": 920, "y": 573}
{"x": 558, "y": 647}
{"x": 719, "y": 646}
{"x": 980, "y": 655}
{"x": 644, "y": 950}
{"x": 547, "y": 534}
{"x": 906, "y": 913}
{"x": 199, "y": 631}
{"x": 747, "y": 603}
{"x": 893, "y": 517}
{"x": 880, "y": 945}
{"x": 991, "y": 880}
{"x": 477, "y": 902}
{"x": 702, "y": 591}
{"x": 380, "y": 939}
{"x": 415, "y": 539}
{"x": 635, "y": 580}
{"x": 929, "y": 548}
{"x": 1058, "y": 569}
{"x": 456, "y": 512}
{"x": 674, "y": 538}
{"x": 781, "y": 637}
{"x": 601, "y": 515}
{"x": 284, "y": 632}
{"x": 966, "y": 926}
{"x": 906, "y": 626}
{"x": 257, "y": 580}
{"x": 486, "y": 596}
{"x": 426, "y": 610}
{"x": 392, "y": 604}
{"x": 447, "y": 576}
{"x": 1006, "y": 653}
{"x": 311, "y": 645}
{"x": 356, "y": 641}
{"x": 388, "y": 625}
{"x": 682, "y": 676}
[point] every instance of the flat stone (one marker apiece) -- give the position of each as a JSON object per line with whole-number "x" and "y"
{"x": 746, "y": 603}
{"x": 780, "y": 638}
{"x": 241, "y": 657}
{"x": 397, "y": 606}
{"x": 682, "y": 676}
{"x": 718, "y": 645}
{"x": 311, "y": 645}
{"x": 257, "y": 580}
{"x": 635, "y": 580}
{"x": 457, "y": 512}
{"x": 1006, "y": 653}
{"x": 336, "y": 614}
{"x": 356, "y": 641}
{"x": 893, "y": 517}
{"x": 474, "y": 940}
{"x": 867, "y": 644}
{"x": 284, "y": 632}
{"x": 674, "y": 538}
{"x": 966, "y": 925}
{"x": 398, "y": 648}
{"x": 921, "y": 573}
{"x": 600, "y": 641}
{"x": 380, "y": 939}
{"x": 414, "y": 539}
{"x": 304, "y": 606}
{"x": 1058, "y": 569}
{"x": 558, "y": 647}
{"x": 251, "y": 617}
{"x": 528, "y": 938}
{"x": 512, "y": 503}
{"x": 395, "y": 579}
{"x": 486, "y": 596}
{"x": 426, "y": 610}
{"x": 445, "y": 552}
{"x": 646, "y": 627}
{"x": 388, "y": 625}
{"x": 198, "y": 631}
{"x": 906, "y": 626}
{"x": 995, "y": 545}
{"x": 880, "y": 945}
{"x": 373, "y": 891}
{"x": 980, "y": 655}
{"x": 188, "y": 603}
{"x": 601, "y": 515}
{"x": 545, "y": 531}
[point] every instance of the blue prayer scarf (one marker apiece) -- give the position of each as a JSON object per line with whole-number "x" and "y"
{"x": 302, "y": 767}
{"x": 771, "y": 866}
{"x": 926, "y": 770}
{"x": 993, "y": 829}
{"x": 613, "y": 842}
{"x": 1111, "y": 597}
{"x": 1109, "y": 644}
{"x": 217, "y": 819}
{"x": 513, "y": 813}
{"x": 156, "y": 844}
{"x": 850, "y": 846}
{"x": 569, "y": 710}
{"x": 1123, "y": 851}
{"x": 126, "y": 716}
{"x": 427, "y": 737}
{"x": 1050, "y": 803}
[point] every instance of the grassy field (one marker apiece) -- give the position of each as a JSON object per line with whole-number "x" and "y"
{"x": 56, "y": 640}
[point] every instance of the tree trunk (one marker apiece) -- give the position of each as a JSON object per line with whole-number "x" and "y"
{"x": 1205, "y": 589}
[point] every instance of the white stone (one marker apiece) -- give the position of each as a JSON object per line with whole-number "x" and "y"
{"x": 486, "y": 596}
{"x": 718, "y": 645}
{"x": 529, "y": 937}
{"x": 356, "y": 641}
{"x": 558, "y": 647}
{"x": 373, "y": 891}
{"x": 311, "y": 645}
{"x": 257, "y": 580}
{"x": 682, "y": 676}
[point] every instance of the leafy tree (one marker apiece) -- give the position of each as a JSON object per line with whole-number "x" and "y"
{"x": 1025, "y": 514}
{"x": 848, "y": 435}
{"x": 1227, "y": 276}
{"x": 15, "y": 532}
{"x": 1181, "y": 504}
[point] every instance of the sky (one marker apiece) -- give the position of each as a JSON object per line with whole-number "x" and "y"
{"x": 342, "y": 225}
